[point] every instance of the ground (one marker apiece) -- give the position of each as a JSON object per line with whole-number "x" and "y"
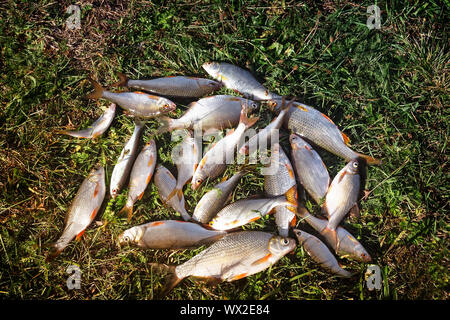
{"x": 386, "y": 88}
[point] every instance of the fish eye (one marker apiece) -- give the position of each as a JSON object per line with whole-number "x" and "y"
{"x": 284, "y": 241}
{"x": 355, "y": 164}
{"x": 198, "y": 181}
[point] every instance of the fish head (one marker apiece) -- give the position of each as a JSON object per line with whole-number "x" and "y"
{"x": 96, "y": 173}
{"x": 353, "y": 166}
{"x": 296, "y": 141}
{"x": 363, "y": 255}
{"x": 197, "y": 181}
{"x": 132, "y": 235}
{"x": 214, "y": 85}
{"x": 279, "y": 246}
{"x": 301, "y": 235}
{"x": 114, "y": 192}
{"x": 166, "y": 106}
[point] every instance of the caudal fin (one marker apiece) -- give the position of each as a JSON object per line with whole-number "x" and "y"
{"x": 127, "y": 209}
{"x": 370, "y": 160}
{"x": 98, "y": 90}
{"x": 171, "y": 278}
{"x": 246, "y": 120}
{"x": 175, "y": 191}
{"x": 331, "y": 235}
{"x": 167, "y": 124}
{"x": 123, "y": 82}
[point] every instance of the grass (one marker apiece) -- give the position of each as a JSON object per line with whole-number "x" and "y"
{"x": 387, "y": 89}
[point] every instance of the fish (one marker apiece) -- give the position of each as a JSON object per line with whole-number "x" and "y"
{"x": 169, "y": 234}
{"x": 125, "y": 161}
{"x": 235, "y": 256}
{"x": 97, "y": 128}
{"x": 238, "y": 79}
{"x": 215, "y": 161}
{"x": 346, "y": 245}
{"x": 215, "y": 199}
{"x": 140, "y": 176}
{"x": 318, "y": 128}
{"x": 213, "y": 112}
{"x": 279, "y": 180}
{"x": 172, "y": 86}
{"x": 138, "y": 104}
{"x": 186, "y": 156}
{"x": 310, "y": 170}
{"x": 263, "y": 137}
{"x": 320, "y": 253}
{"x": 83, "y": 209}
{"x": 245, "y": 211}
{"x": 342, "y": 195}
{"x": 165, "y": 183}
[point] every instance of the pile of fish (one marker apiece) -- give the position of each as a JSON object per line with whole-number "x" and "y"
{"x": 232, "y": 252}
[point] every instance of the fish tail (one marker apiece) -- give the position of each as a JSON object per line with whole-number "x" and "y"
{"x": 211, "y": 239}
{"x": 123, "y": 82}
{"x": 176, "y": 191}
{"x": 98, "y": 90}
{"x": 167, "y": 124}
{"x": 286, "y": 106}
{"x": 246, "y": 120}
{"x": 128, "y": 209}
{"x": 370, "y": 160}
{"x": 171, "y": 281}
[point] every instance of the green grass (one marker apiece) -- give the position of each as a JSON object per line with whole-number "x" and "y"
{"x": 387, "y": 89}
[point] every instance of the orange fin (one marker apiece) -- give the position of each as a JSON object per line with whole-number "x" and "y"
{"x": 123, "y": 82}
{"x": 346, "y": 139}
{"x": 239, "y": 276}
{"x": 342, "y": 176}
{"x": 80, "y": 234}
{"x": 293, "y": 222}
{"x": 370, "y": 160}
{"x": 128, "y": 210}
{"x": 246, "y": 120}
{"x": 157, "y": 223}
{"x": 328, "y": 118}
{"x": 262, "y": 260}
{"x": 141, "y": 195}
{"x": 149, "y": 178}
{"x": 98, "y": 90}
{"x": 93, "y": 214}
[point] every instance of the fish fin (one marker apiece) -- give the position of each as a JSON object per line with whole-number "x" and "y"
{"x": 246, "y": 120}
{"x": 166, "y": 125}
{"x": 354, "y": 212}
{"x": 262, "y": 260}
{"x": 239, "y": 276}
{"x": 98, "y": 90}
{"x": 180, "y": 194}
{"x": 78, "y": 237}
{"x": 128, "y": 210}
{"x": 342, "y": 176}
{"x": 171, "y": 194}
{"x": 123, "y": 82}
{"x": 345, "y": 137}
{"x": 293, "y": 222}
{"x": 369, "y": 160}
{"x": 324, "y": 210}
{"x": 55, "y": 250}
{"x": 141, "y": 195}
{"x": 171, "y": 281}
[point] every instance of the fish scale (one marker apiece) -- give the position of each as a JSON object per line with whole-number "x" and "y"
{"x": 319, "y": 129}
{"x": 281, "y": 180}
{"x": 235, "y": 255}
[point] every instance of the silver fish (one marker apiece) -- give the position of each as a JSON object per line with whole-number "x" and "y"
{"x": 186, "y": 156}
{"x": 311, "y": 171}
{"x": 140, "y": 176}
{"x": 215, "y": 161}
{"x": 264, "y": 136}
{"x": 214, "y": 112}
{"x": 137, "y": 103}
{"x": 83, "y": 209}
{"x": 126, "y": 159}
{"x": 313, "y": 125}
{"x": 98, "y": 127}
{"x": 281, "y": 181}
{"x": 172, "y": 86}
{"x": 215, "y": 199}
{"x": 320, "y": 253}
{"x": 165, "y": 183}
{"x": 235, "y": 256}
{"x": 169, "y": 234}
{"x": 342, "y": 194}
{"x": 238, "y": 79}
{"x": 346, "y": 245}
{"x": 245, "y": 211}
